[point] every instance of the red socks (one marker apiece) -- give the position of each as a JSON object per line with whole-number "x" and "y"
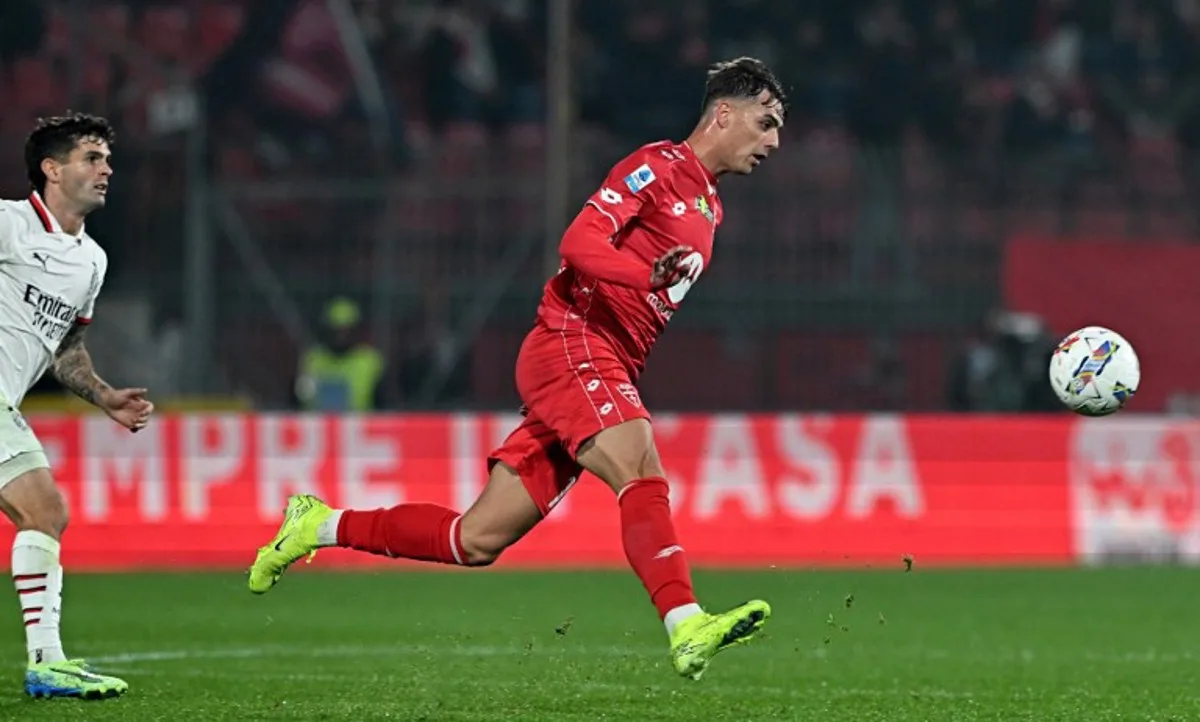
{"x": 425, "y": 532}
{"x": 651, "y": 546}
{"x": 428, "y": 532}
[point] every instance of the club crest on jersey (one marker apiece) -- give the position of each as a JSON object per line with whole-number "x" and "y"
{"x": 705, "y": 209}
{"x": 639, "y": 178}
{"x": 630, "y": 392}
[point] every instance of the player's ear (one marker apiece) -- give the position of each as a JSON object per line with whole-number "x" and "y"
{"x": 723, "y": 113}
{"x": 51, "y": 168}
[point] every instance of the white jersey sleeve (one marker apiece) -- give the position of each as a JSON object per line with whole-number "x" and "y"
{"x": 89, "y": 306}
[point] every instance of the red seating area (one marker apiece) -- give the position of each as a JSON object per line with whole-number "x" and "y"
{"x": 187, "y": 34}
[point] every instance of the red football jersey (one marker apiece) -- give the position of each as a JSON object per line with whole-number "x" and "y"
{"x": 657, "y": 198}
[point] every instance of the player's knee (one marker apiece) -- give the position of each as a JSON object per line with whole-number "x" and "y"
{"x": 622, "y": 454}
{"x": 51, "y": 515}
{"x": 45, "y": 512}
{"x": 641, "y": 464}
{"x": 55, "y": 523}
{"x": 481, "y": 549}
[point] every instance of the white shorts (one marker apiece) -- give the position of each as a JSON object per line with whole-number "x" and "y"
{"x": 20, "y": 450}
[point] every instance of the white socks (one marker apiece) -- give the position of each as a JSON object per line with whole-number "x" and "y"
{"x": 38, "y": 579}
{"x": 327, "y": 530}
{"x": 678, "y": 614}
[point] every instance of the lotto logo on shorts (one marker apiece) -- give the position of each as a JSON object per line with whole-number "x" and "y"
{"x": 630, "y": 392}
{"x": 19, "y": 420}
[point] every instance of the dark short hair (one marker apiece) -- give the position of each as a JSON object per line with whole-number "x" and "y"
{"x": 741, "y": 78}
{"x": 56, "y": 137}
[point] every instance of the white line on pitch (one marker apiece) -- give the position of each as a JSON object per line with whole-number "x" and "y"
{"x": 351, "y": 651}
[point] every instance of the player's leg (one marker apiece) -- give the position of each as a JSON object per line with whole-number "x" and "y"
{"x": 625, "y": 457}
{"x": 502, "y": 514}
{"x": 31, "y": 499}
{"x": 34, "y": 504}
{"x": 576, "y": 385}
{"x": 528, "y": 473}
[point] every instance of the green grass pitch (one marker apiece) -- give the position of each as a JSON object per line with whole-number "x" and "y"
{"x": 1082, "y": 645}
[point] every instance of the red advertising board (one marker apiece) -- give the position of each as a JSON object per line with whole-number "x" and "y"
{"x": 204, "y": 491}
{"x": 1145, "y": 290}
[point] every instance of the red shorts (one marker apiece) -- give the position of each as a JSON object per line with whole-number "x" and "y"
{"x": 574, "y": 386}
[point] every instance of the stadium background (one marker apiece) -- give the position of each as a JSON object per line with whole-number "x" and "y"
{"x": 859, "y": 376}
{"x": 856, "y": 388}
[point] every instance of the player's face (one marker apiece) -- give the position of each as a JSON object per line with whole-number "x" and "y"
{"x": 752, "y": 132}
{"x": 83, "y": 177}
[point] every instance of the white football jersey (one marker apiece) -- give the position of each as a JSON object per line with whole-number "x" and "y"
{"x": 49, "y": 281}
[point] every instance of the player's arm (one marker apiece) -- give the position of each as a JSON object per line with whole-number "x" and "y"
{"x": 587, "y": 246}
{"x": 588, "y": 251}
{"x": 631, "y": 188}
{"x": 73, "y": 367}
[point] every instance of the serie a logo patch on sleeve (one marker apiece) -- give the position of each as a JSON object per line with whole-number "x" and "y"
{"x": 639, "y": 178}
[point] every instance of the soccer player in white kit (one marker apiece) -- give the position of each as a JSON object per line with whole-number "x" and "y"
{"x": 50, "y": 274}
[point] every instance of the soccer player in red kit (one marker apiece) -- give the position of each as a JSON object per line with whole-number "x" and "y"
{"x": 629, "y": 257}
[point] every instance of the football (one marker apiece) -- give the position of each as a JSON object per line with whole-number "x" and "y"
{"x": 1094, "y": 371}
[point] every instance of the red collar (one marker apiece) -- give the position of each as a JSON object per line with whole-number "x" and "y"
{"x": 39, "y": 207}
{"x": 49, "y": 222}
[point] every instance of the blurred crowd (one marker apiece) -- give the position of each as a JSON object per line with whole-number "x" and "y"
{"x": 1062, "y": 76}
{"x": 1085, "y": 82}
{"x": 921, "y": 133}
{"x": 1071, "y": 77}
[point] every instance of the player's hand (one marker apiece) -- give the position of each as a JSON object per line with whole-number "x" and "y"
{"x": 666, "y": 271}
{"x": 127, "y": 407}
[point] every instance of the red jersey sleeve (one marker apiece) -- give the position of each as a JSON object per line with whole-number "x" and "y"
{"x": 631, "y": 189}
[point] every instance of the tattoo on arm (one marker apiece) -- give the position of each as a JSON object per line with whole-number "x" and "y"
{"x": 73, "y": 367}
